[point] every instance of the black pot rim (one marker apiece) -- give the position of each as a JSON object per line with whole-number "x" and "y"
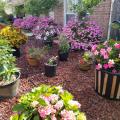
{"x": 50, "y": 65}
{"x": 18, "y": 77}
{"x": 116, "y": 74}
{"x": 59, "y": 51}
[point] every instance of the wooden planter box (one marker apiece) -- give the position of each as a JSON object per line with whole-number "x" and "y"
{"x": 107, "y": 84}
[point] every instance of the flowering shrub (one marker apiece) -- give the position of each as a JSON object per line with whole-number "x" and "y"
{"x": 48, "y": 103}
{"x": 13, "y": 35}
{"x": 27, "y": 23}
{"x": 46, "y": 29}
{"x": 82, "y": 34}
{"x": 108, "y": 56}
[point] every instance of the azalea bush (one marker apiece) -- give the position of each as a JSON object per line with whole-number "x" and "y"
{"x": 27, "y": 23}
{"x": 46, "y": 29}
{"x": 108, "y": 56}
{"x": 48, "y": 103}
{"x": 82, "y": 35}
{"x": 13, "y": 35}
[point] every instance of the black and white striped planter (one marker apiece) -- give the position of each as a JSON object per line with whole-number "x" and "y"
{"x": 107, "y": 84}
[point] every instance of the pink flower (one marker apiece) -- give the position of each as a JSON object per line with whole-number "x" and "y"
{"x": 119, "y": 55}
{"x": 96, "y": 52}
{"x": 105, "y": 66}
{"x": 58, "y": 105}
{"x": 68, "y": 115}
{"x": 53, "y": 117}
{"x": 94, "y": 47}
{"x": 111, "y": 63}
{"x": 114, "y": 71}
{"x": 102, "y": 51}
{"x": 109, "y": 49}
{"x": 74, "y": 103}
{"x": 46, "y": 111}
{"x": 117, "y": 45}
{"x": 98, "y": 67}
{"x": 105, "y": 56}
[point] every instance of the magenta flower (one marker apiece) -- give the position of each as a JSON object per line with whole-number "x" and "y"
{"x": 117, "y": 46}
{"x": 105, "y": 66}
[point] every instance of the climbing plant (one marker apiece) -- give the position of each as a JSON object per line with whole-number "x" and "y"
{"x": 37, "y": 7}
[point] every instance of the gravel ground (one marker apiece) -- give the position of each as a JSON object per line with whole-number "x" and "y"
{"x": 79, "y": 83}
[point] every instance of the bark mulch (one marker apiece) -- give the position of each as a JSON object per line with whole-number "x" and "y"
{"x": 79, "y": 83}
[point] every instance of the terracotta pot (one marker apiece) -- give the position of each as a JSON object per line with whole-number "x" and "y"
{"x": 32, "y": 61}
{"x": 107, "y": 84}
{"x": 10, "y": 90}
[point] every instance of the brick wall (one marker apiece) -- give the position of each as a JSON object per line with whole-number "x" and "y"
{"x": 101, "y": 15}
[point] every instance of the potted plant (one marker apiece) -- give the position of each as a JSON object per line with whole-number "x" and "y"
{"x": 35, "y": 54}
{"x": 48, "y": 103}
{"x": 9, "y": 73}
{"x": 15, "y": 38}
{"x": 107, "y": 74}
{"x": 46, "y": 30}
{"x": 64, "y": 48}
{"x": 82, "y": 34}
{"x": 26, "y": 24}
{"x": 50, "y": 67}
{"x": 86, "y": 61}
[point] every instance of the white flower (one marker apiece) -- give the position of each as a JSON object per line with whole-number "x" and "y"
{"x": 34, "y": 103}
{"x": 47, "y": 33}
{"x": 74, "y": 103}
{"x": 60, "y": 89}
{"x": 45, "y": 38}
{"x": 111, "y": 62}
{"x": 38, "y": 37}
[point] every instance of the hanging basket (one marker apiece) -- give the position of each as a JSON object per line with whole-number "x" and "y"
{"x": 107, "y": 84}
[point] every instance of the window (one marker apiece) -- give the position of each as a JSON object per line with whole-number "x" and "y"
{"x": 68, "y": 12}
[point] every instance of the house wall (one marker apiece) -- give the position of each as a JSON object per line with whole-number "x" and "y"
{"x": 101, "y": 15}
{"x": 59, "y": 13}
{"x": 115, "y": 34}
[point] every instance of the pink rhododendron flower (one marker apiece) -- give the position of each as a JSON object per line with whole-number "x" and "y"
{"x": 117, "y": 46}
{"x": 98, "y": 67}
{"x": 111, "y": 63}
{"x": 68, "y": 115}
{"x": 105, "y": 66}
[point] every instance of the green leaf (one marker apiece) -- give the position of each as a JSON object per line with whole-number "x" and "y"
{"x": 36, "y": 117}
{"x": 42, "y": 102}
{"x": 14, "y": 117}
{"x": 66, "y": 96}
{"x": 19, "y": 108}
